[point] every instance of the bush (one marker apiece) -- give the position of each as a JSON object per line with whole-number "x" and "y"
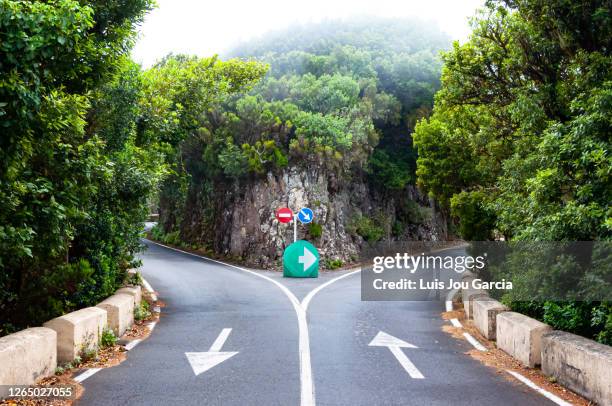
{"x": 333, "y": 263}
{"x": 366, "y": 228}
{"x": 413, "y": 213}
{"x": 588, "y": 319}
{"x": 142, "y": 312}
{"x": 108, "y": 338}
{"x": 315, "y": 230}
{"x": 134, "y": 279}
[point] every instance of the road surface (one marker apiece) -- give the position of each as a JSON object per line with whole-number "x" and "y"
{"x": 325, "y": 360}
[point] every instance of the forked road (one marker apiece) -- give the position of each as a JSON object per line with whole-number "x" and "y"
{"x": 280, "y": 361}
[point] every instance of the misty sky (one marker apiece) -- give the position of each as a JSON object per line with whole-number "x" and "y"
{"x": 205, "y": 28}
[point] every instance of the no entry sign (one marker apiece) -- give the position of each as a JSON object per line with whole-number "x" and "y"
{"x": 284, "y": 215}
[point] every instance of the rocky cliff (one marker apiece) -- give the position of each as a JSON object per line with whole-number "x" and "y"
{"x": 238, "y": 219}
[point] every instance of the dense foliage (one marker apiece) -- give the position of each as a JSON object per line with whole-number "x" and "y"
{"x": 519, "y": 141}
{"x": 338, "y": 97}
{"x": 85, "y": 138}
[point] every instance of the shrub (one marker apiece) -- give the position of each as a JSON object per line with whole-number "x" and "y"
{"x": 315, "y": 230}
{"x": 108, "y": 338}
{"x": 366, "y": 228}
{"x": 142, "y": 312}
{"x": 333, "y": 263}
{"x": 413, "y": 213}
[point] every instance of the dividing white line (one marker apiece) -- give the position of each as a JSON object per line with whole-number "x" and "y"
{"x": 535, "y": 387}
{"x": 474, "y": 342}
{"x": 310, "y": 295}
{"x": 307, "y": 394}
{"x": 81, "y": 377}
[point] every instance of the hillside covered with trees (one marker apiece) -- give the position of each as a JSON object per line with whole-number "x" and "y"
{"x": 335, "y": 111}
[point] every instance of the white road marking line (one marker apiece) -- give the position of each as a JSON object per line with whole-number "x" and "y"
{"x": 535, "y": 387}
{"x": 203, "y": 361}
{"x": 456, "y": 323}
{"x": 406, "y": 363}
{"x": 81, "y": 377}
{"x": 395, "y": 345}
{"x": 129, "y": 346}
{"x": 307, "y": 394}
{"x": 218, "y": 344}
{"x": 474, "y": 342}
{"x": 310, "y": 295}
{"x": 149, "y": 289}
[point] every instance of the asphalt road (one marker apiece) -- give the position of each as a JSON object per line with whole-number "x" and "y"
{"x": 326, "y": 360}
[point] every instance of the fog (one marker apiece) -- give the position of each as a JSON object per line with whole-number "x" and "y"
{"x": 206, "y": 28}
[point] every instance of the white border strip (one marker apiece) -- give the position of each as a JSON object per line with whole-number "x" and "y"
{"x": 480, "y": 347}
{"x": 456, "y": 323}
{"x": 541, "y": 391}
{"x": 91, "y": 371}
{"x": 129, "y": 346}
{"x": 474, "y": 342}
{"x": 149, "y": 289}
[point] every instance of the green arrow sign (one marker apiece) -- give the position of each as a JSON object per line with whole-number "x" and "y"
{"x": 301, "y": 260}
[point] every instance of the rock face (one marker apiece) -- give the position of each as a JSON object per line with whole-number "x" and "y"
{"x": 239, "y": 219}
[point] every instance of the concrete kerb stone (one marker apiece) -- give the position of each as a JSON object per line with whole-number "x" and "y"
{"x": 26, "y": 356}
{"x": 467, "y": 297}
{"x": 521, "y": 337}
{"x": 78, "y": 331}
{"x": 485, "y": 315}
{"x": 134, "y": 291}
{"x": 120, "y": 310}
{"x": 580, "y": 364}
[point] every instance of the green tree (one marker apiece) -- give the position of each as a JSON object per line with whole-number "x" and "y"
{"x": 519, "y": 140}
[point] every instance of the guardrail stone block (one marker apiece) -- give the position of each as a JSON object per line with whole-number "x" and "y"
{"x": 467, "y": 297}
{"x": 485, "y": 315}
{"x": 580, "y": 364}
{"x": 134, "y": 291}
{"x": 77, "y": 331}
{"x": 120, "y": 309}
{"x": 27, "y": 356}
{"x": 521, "y": 337}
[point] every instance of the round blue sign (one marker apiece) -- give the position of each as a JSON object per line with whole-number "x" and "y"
{"x": 305, "y": 215}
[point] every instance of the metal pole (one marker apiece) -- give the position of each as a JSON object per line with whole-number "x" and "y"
{"x": 294, "y": 227}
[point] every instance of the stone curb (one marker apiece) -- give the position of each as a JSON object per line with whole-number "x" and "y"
{"x": 34, "y": 353}
{"x": 26, "y": 356}
{"x": 578, "y": 363}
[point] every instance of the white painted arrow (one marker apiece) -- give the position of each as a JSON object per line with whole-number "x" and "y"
{"x": 307, "y": 259}
{"x": 203, "y": 361}
{"x": 395, "y": 345}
